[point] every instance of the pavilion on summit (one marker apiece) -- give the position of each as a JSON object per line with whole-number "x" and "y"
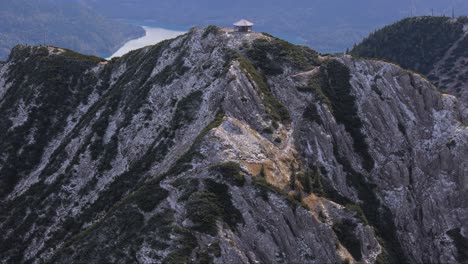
{"x": 243, "y": 25}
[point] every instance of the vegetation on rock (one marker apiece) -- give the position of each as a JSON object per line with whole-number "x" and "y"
{"x": 414, "y": 43}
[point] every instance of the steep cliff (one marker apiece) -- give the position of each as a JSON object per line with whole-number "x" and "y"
{"x": 227, "y": 148}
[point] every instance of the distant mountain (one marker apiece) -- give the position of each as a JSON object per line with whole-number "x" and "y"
{"x": 434, "y": 46}
{"x": 68, "y": 24}
{"x": 327, "y": 26}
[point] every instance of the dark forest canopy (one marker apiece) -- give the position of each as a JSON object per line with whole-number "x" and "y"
{"x": 414, "y": 43}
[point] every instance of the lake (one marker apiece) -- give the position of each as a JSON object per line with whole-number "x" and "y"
{"x": 153, "y": 36}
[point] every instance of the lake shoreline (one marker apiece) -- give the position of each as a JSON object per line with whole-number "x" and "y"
{"x": 153, "y": 36}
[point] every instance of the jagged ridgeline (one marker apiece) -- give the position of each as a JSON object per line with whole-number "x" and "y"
{"x": 221, "y": 147}
{"x": 434, "y": 46}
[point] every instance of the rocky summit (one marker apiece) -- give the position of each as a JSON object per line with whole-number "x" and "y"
{"x": 222, "y": 147}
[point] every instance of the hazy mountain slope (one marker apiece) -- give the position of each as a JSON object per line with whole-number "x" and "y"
{"x": 61, "y": 23}
{"x": 227, "y": 148}
{"x": 434, "y": 46}
{"x": 328, "y": 26}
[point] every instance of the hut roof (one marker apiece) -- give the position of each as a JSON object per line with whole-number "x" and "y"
{"x": 243, "y": 23}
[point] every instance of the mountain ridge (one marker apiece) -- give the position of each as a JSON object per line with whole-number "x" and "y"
{"x": 225, "y": 147}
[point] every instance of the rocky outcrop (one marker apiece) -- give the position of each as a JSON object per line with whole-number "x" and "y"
{"x": 227, "y": 148}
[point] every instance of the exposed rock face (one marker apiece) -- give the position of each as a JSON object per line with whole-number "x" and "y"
{"x": 227, "y": 148}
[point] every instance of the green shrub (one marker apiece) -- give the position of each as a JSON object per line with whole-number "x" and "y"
{"x": 230, "y": 171}
{"x": 187, "y": 243}
{"x": 149, "y": 196}
{"x": 210, "y": 30}
{"x": 205, "y": 208}
{"x": 171, "y": 72}
{"x": 162, "y": 224}
{"x": 270, "y": 55}
{"x": 263, "y": 188}
{"x": 316, "y": 85}
{"x": 187, "y": 109}
{"x": 230, "y": 214}
{"x": 359, "y": 212}
{"x": 274, "y": 124}
{"x": 292, "y": 181}
{"x": 188, "y": 186}
{"x": 311, "y": 181}
{"x": 268, "y": 130}
{"x": 80, "y": 57}
{"x": 259, "y": 54}
{"x": 338, "y": 89}
{"x": 277, "y": 111}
